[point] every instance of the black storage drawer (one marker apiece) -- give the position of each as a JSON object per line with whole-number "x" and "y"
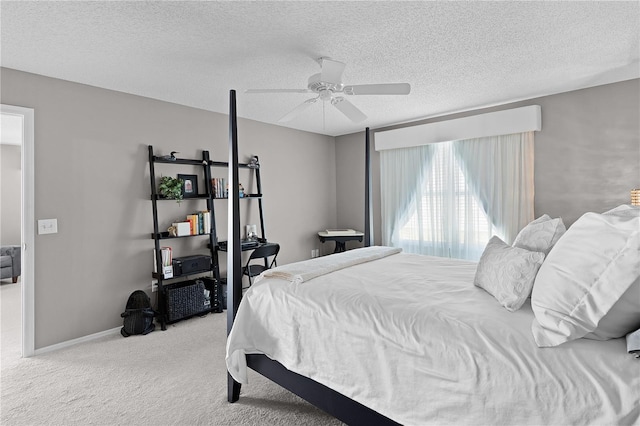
{"x": 185, "y": 299}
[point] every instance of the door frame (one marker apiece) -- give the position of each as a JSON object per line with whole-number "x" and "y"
{"x": 27, "y": 225}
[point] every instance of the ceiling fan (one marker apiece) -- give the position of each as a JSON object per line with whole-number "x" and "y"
{"x": 327, "y": 86}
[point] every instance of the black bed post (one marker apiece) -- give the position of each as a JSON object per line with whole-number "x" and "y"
{"x": 234, "y": 262}
{"x": 368, "y": 200}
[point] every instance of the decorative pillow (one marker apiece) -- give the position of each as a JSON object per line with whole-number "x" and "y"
{"x": 507, "y": 273}
{"x": 588, "y": 272}
{"x": 541, "y": 234}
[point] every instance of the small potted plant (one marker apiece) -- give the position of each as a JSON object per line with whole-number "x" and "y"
{"x": 171, "y": 188}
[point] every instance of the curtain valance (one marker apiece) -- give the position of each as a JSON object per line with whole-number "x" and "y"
{"x": 506, "y": 122}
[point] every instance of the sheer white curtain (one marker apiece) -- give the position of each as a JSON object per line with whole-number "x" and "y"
{"x": 500, "y": 171}
{"x": 447, "y": 199}
{"x": 401, "y": 176}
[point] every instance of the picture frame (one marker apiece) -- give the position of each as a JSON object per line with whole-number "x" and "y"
{"x": 189, "y": 185}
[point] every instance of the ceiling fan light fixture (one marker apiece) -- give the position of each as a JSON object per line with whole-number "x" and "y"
{"x": 326, "y": 95}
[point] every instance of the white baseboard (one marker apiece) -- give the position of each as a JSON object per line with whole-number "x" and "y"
{"x": 73, "y": 342}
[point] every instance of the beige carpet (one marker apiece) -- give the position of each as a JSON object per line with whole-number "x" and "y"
{"x": 172, "y": 377}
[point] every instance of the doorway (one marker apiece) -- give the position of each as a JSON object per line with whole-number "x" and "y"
{"x": 17, "y": 128}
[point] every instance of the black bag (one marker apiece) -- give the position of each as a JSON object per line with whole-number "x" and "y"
{"x": 138, "y": 315}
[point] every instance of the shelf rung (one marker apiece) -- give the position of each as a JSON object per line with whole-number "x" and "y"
{"x": 245, "y": 196}
{"x": 179, "y": 161}
{"x": 169, "y": 237}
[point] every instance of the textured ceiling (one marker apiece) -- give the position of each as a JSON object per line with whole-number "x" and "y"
{"x": 456, "y": 55}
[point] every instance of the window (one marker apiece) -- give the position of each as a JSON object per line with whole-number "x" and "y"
{"x": 448, "y": 220}
{"x": 448, "y": 198}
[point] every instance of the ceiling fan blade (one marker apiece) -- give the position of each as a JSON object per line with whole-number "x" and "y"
{"x": 277, "y": 91}
{"x": 378, "y": 89}
{"x": 348, "y": 109}
{"x": 297, "y": 110}
{"x": 331, "y": 71}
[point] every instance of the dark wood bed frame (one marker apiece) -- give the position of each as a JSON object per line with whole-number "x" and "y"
{"x": 334, "y": 403}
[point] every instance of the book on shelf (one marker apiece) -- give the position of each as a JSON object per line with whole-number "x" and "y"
{"x": 193, "y": 221}
{"x": 199, "y": 223}
{"x": 206, "y": 221}
{"x": 190, "y": 220}
{"x": 167, "y": 256}
{"x": 182, "y": 228}
{"x": 218, "y": 187}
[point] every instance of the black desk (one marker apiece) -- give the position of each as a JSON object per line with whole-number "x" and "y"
{"x": 222, "y": 245}
{"x": 340, "y": 239}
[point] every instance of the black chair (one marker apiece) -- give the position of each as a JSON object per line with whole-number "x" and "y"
{"x": 261, "y": 253}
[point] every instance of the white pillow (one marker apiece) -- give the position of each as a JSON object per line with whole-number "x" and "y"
{"x": 507, "y": 273}
{"x": 624, "y": 210}
{"x": 623, "y": 315}
{"x": 541, "y": 234}
{"x": 589, "y": 270}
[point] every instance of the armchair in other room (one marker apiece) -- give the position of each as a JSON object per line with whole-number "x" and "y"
{"x": 10, "y": 262}
{"x": 263, "y": 253}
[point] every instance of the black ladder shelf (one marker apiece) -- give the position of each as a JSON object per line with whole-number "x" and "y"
{"x": 215, "y": 287}
{"x": 213, "y": 244}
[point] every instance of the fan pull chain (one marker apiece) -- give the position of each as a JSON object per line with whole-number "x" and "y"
{"x": 323, "y": 116}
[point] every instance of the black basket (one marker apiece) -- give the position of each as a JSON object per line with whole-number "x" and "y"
{"x": 185, "y": 299}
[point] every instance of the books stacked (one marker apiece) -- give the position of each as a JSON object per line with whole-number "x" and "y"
{"x": 199, "y": 224}
{"x": 167, "y": 258}
{"x": 219, "y": 187}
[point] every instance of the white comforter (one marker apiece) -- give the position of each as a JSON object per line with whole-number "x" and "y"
{"x": 411, "y": 337}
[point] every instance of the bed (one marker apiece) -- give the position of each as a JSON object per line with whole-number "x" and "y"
{"x": 377, "y": 336}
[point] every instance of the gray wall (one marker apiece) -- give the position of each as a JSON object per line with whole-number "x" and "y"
{"x": 10, "y": 192}
{"x": 587, "y": 155}
{"x": 92, "y": 174}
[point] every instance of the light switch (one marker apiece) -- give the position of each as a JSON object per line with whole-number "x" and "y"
{"x": 47, "y": 226}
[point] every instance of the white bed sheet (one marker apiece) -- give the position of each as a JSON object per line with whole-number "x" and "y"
{"x": 412, "y": 338}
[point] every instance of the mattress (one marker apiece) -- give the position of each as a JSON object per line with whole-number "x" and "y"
{"x": 411, "y": 337}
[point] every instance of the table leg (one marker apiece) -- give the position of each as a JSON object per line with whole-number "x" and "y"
{"x": 340, "y": 247}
